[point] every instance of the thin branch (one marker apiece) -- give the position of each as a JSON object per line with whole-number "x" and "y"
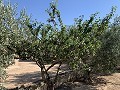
{"x": 42, "y": 66}
{"x": 56, "y": 76}
{"x": 52, "y": 65}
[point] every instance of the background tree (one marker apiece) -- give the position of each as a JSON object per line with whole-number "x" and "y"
{"x": 109, "y": 53}
{"x": 12, "y": 32}
{"x": 85, "y": 39}
{"x": 7, "y": 27}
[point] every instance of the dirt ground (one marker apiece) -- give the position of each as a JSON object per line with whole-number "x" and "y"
{"x": 28, "y": 72}
{"x": 24, "y": 72}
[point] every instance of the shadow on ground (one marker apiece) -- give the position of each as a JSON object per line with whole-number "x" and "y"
{"x": 26, "y": 78}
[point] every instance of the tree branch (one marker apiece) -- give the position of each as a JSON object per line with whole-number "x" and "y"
{"x": 56, "y": 76}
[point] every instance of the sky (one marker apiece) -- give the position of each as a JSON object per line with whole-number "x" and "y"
{"x": 69, "y": 9}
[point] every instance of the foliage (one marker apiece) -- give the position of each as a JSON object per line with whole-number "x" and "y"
{"x": 85, "y": 37}
{"x": 12, "y": 32}
{"x": 7, "y": 26}
{"x": 109, "y": 53}
{"x": 23, "y": 36}
{"x": 76, "y": 46}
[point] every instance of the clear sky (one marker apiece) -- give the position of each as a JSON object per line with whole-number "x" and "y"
{"x": 70, "y": 9}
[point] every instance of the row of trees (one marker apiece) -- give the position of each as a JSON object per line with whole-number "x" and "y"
{"x": 90, "y": 46}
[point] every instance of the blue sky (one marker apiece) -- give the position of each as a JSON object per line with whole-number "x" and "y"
{"x": 70, "y": 9}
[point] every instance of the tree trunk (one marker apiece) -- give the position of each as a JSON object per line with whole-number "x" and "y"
{"x": 50, "y": 85}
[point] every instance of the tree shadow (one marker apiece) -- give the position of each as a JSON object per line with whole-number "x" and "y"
{"x": 21, "y": 60}
{"x": 35, "y": 78}
{"x": 25, "y": 78}
{"x": 98, "y": 81}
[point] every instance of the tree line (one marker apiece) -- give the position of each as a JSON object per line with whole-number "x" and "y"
{"x": 87, "y": 47}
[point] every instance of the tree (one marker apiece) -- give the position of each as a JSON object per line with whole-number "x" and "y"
{"x": 109, "y": 53}
{"x": 7, "y": 27}
{"x": 85, "y": 37}
{"x": 23, "y": 36}
{"x": 12, "y": 32}
{"x": 76, "y": 46}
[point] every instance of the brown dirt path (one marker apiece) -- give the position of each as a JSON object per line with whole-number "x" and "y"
{"x": 113, "y": 82}
{"x": 23, "y": 72}
{"x": 28, "y": 72}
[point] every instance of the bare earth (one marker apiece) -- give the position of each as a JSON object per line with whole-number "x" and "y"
{"x": 28, "y": 72}
{"x": 24, "y": 72}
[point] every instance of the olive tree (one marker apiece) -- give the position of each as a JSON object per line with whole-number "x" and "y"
{"x": 12, "y": 32}
{"x": 23, "y": 36}
{"x": 7, "y": 27}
